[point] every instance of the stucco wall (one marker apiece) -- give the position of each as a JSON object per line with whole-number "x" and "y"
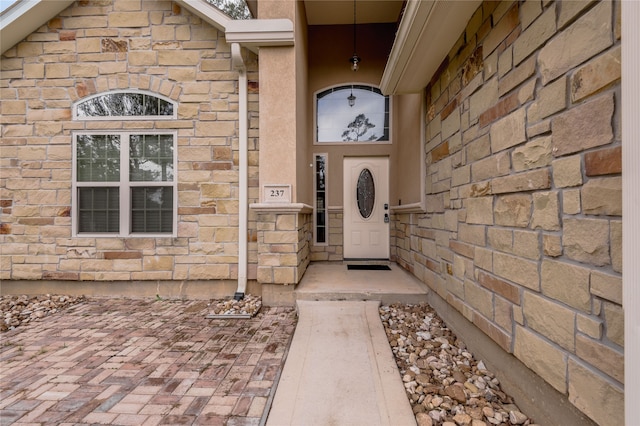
{"x": 329, "y": 66}
{"x": 95, "y": 47}
{"x": 523, "y": 230}
{"x": 304, "y": 175}
{"x": 406, "y": 162}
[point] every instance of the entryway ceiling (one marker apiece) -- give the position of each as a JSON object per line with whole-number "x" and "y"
{"x": 426, "y": 31}
{"x": 335, "y": 12}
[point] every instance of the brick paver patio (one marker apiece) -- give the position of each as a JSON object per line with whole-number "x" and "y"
{"x": 142, "y": 362}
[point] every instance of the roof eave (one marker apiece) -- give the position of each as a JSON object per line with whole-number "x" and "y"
{"x": 24, "y": 17}
{"x": 427, "y": 32}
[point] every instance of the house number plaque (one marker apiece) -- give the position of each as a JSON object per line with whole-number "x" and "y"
{"x": 276, "y": 193}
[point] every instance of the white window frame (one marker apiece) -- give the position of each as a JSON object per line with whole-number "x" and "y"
{"x": 326, "y": 200}
{"x": 174, "y": 116}
{"x": 315, "y": 117}
{"x": 125, "y": 185}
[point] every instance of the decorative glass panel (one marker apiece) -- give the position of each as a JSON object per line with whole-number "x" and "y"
{"x": 365, "y": 193}
{"x": 367, "y": 120}
{"x": 321, "y": 198}
{"x": 151, "y": 158}
{"x": 152, "y": 209}
{"x": 98, "y": 210}
{"x": 98, "y": 158}
{"x": 124, "y": 104}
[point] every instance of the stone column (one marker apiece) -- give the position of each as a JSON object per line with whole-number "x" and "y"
{"x": 284, "y": 234}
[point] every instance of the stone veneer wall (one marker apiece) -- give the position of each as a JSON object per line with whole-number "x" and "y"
{"x": 523, "y": 230}
{"x": 93, "y": 47}
{"x": 332, "y": 251}
{"x": 283, "y": 247}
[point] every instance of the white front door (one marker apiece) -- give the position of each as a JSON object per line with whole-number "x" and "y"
{"x": 366, "y": 208}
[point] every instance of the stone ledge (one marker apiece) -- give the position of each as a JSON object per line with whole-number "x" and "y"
{"x": 281, "y": 208}
{"x": 409, "y": 208}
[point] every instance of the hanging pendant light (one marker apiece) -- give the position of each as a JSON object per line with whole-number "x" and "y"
{"x": 355, "y": 59}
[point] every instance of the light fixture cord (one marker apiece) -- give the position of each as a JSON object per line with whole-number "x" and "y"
{"x": 354, "y": 27}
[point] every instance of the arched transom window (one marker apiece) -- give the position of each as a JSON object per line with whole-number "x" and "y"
{"x": 124, "y": 180}
{"x": 126, "y": 105}
{"x": 352, "y": 114}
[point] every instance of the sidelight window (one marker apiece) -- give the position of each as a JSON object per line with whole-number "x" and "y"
{"x": 320, "y": 218}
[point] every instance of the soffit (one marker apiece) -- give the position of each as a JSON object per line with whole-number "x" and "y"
{"x": 336, "y": 12}
{"x": 427, "y": 31}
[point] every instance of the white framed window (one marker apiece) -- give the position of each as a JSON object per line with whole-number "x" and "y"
{"x": 124, "y": 184}
{"x": 320, "y": 217}
{"x": 352, "y": 114}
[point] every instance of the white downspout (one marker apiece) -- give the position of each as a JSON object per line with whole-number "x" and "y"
{"x": 630, "y": 204}
{"x": 243, "y": 200}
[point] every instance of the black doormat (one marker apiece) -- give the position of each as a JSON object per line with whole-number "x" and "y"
{"x": 369, "y": 267}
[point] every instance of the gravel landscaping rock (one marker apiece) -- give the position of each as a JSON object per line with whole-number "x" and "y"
{"x": 20, "y": 310}
{"x": 248, "y": 305}
{"x": 445, "y": 384}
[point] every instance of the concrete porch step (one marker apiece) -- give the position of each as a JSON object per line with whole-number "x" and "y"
{"x": 334, "y": 281}
{"x": 385, "y": 299}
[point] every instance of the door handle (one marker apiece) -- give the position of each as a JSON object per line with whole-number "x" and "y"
{"x": 386, "y": 218}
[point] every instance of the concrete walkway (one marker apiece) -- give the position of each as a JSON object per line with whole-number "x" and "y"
{"x": 340, "y": 369}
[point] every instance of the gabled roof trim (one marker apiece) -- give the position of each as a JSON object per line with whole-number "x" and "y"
{"x": 207, "y": 12}
{"x": 26, "y": 16}
{"x": 427, "y": 31}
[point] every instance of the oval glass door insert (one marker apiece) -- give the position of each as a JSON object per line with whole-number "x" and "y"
{"x": 365, "y": 193}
